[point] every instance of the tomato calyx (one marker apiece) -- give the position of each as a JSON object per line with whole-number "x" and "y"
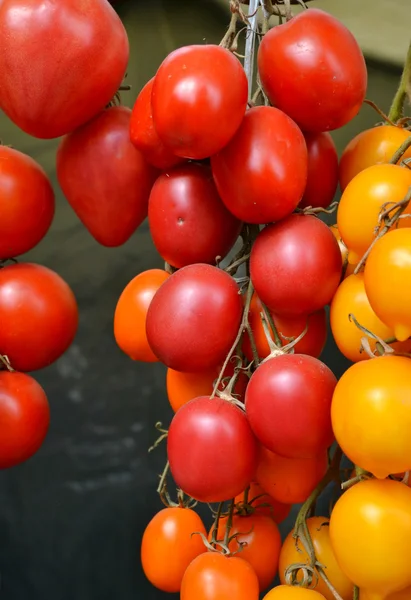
{"x": 223, "y": 546}
{"x": 315, "y": 210}
{"x": 5, "y": 364}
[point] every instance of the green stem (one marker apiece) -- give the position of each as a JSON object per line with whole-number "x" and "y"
{"x": 397, "y": 106}
{"x": 356, "y": 594}
{"x": 229, "y": 524}
{"x": 401, "y": 151}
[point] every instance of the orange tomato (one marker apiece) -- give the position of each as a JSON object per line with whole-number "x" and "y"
{"x": 131, "y": 312}
{"x": 168, "y": 546}
{"x": 286, "y": 592}
{"x": 312, "y": 343}
{"x": 262, "y": 542}
{"x": 371, "y": 414}
{"x": 387, "y": 278}
{"x": 402, "y": 595}
{"x": 370, "y": 532}
{"x": 349, "y": 269}
{"x": 213, "y": 576}
{"x": 294, "y": 552}
{"x": 350, "y": 298}
{"x": 263, "y": 504}
{"x": 289, "y": 480}
{"x": 362, "y": 201}
{"x": 371, "y": 147}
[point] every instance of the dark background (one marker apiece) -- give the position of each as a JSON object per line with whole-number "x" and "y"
{"x": 71, "y": 518}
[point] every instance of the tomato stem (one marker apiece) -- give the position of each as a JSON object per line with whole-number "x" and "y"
{"x": 4, "y": 362}
{"x": 273, "y": 327}
{"x": 401, "y": 151}
{"x": 356, "y": 594}
{"x": 229, "y": 523}
{"x": 379, "y": 111}
{"x": 163, "y": 436}
{"x": 397, "y": 106}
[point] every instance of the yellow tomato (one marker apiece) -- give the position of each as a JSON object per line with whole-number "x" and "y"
{"x": 402, "y": 595}
{"x": 371, "y": 147}
{"x": 370, "y": 531}
{"x": 292, "y": 552}
{"x": 387, "y": 278}
{"x": 350, "y": 298}
{"x": 362, "y": 201}
{"x": 371, "y": 414}
{"x": 349, "y": 269}
{"x": 286, "y": 592}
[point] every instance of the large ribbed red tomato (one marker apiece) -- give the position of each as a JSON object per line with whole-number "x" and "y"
{"x": 106, "y": 180}
{"x": 313, "y": 69}
{"x": 199, "y": 99}
{"x": 322, "y": 180}
{"x": 194, "y": 317}
{"x": 296, "y": 265}
{"x": 61, "y": 62}
{"x": 262, "y": 173}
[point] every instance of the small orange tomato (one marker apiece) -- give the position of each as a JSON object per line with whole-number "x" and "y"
{"x": 213, "y": 576}
{"x": 294, "y": 552}
{"x": 362, "y": 202}
{"x": 286, "y": 592}
{"x": 371, "y": 147}
{"x": 387, "y": 278}
{"x": 131, "y": 312}
{"x": 263, "y": 504}
{"x": 402, "y": 595}
{"x": 169, "y": 546}
{"x": 348, "y": 269}
{"x": 289, "y": 480}
{"x": 262, "y": 544}
{"x": 350, "y": 298}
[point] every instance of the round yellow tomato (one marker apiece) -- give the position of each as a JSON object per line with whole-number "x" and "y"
{"x": 349, "y": 269}
{"x": 292, "y": 552}
{"x": 371, "y": 147}
{"x": 350, "y": 298}
{"x": 287, "y": 592}
{"x": 362, "y": 201}
{"x": 370, "y": 531}
{"x": 371, "y": 414}
{"x": 387, "y": 278}
{"x": 402, "y": 595}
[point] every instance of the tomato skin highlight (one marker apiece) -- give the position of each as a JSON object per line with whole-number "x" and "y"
{"x": 322, "y": 179}
{"x": 38, "y": 316}
{"x": 212, "y": 576}
{"x": 105, "y": 179}
{"x": 26, "y": 203}
{"x": 211, "y": 449}
{"x": 24, "y": 418}
{"x": 287, "y": 277}
{"x": 131, "y": 314}
{"x": 321, "y": 88}
{"x": 292, "y": 384}
{"x": 188, "y": 221}
{"x": 262, "y": 173}
{"x": 197, "y": 90}
{"x": 194, "y": 318}
{"x": 169, "y": 546}
{"x": 86, "y": 40}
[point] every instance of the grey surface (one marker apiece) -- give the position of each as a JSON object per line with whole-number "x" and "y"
{"x": 71, "y": 519}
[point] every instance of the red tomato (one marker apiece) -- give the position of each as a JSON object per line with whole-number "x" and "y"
{"x": 24, "y": 418}
{"x": 262, "y": 173}
{"x": 313, "y": 69}
{"x": 296, "y": 265}
{"x": 212, "y": 576}
{"x": 263, "y": 504}
{"x": 199, "y": 99}
{"x": 144, "y": 135}
{"x": 106, "y": 180}
{"x": 211, "y": 449}
{"x": 322, "y": 178}
{"x": 188, "y": 221}
{"x": 289, "y": 480}
{"x": 292, "y": 384}
{"x": 26, "y": 203}
{"x": 131, "y": 313}
{"x": 312, "y": 343}
{"x": 194, "y": 318}
{"x": 38, "y": 316}
{"x": 262, "y": 544}
{"x": 60, "y": 62}
{"x": 169, "y": 545}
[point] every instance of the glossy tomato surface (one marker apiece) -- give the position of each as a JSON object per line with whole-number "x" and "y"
{"x": 60, "y": 62}
{"x": 199, "y": 99}
{"x": 194, "y": 318}
{"x": 313, "y": 69}
{"x": 211, "y": 449}
{"x": 322, "y": 180}
{"x": 26, "y": 203}
{"x": 106, "y": 180}
{"x": 38, "y": 316}
{"x": 262, "y": 173}
{"x": 188, "y": 221}
{"x": 296, "y": 265}
{"x": 24, "y": 418}
{"x": 287, "y": 592}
